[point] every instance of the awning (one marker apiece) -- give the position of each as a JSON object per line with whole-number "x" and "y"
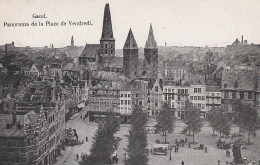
{"x": 81, "y": 105}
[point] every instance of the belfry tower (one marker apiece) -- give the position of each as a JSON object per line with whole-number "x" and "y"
{"x": 151, "y": 54}
{"x": 107, "y": 41}
{"x": 130, "y": 56}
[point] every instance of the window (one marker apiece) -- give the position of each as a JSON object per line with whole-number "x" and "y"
{"x": 191, "y": 98}
{"x": 241, "y": 95}
{"x": 234, "y": 95}
{"x": 105, "y": 45}
{"x": 226, "y": 94}
{"x": 179, "y": 90}
{"x": 195, "y": 90}
{"x": 140, "y": 103}
{"x": 125, "y": 102}
{"x": 186, "y": 90}
{"x": 179, "y": 114}
{"x": 213, "y": 94}
{"x": 156, "y": 89}
{"x": 199, "y": 105}
{"x": 129, "y": 102}
{"x": 199, "y": 90}
{"x": 129, "y": 95}
{"x": 250, "y": 95}
{"x": 195, "y": 97}
{"x": 202, "y": 97}
{"x": 179, "y": 97}
{"x": 137, "y": 95}
{"x": 111, "y": 45}
{"x": 111, "y": 51}
{"x": 199, "y": 97}
{"x": 106, "y": 51}
{"x": 156, "y": 104}
{"x": 203, "y": 106}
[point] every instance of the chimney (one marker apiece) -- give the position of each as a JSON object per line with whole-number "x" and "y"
{"x": 14, "y": 117}
{"x": 242, "y": 39}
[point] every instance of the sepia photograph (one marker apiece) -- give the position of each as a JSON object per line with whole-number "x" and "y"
{"x": 129, "y": 82}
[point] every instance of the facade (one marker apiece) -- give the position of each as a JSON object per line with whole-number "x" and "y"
{"x": 213, "y": 97}
{"x": 133, "y": 92}
{"x": 155, "y": 98}
{"x": 173, "y": 71}
{"x": 238, "y": 85}
{"x": 198, "y": 97}
{"x": 177, "y": 96}
{"x": 104, "y": 96}
{"x": 33, "y": 134}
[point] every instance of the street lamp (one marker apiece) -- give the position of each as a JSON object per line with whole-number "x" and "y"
{"x": 170, "y": 147}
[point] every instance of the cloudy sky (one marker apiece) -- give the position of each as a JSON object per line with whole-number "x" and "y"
{"x": 176, "y": 22}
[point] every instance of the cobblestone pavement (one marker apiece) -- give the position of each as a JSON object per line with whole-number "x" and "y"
{"x": 189, "y": 155}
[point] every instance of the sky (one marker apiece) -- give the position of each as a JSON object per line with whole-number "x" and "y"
{"x": 176, "y": 22}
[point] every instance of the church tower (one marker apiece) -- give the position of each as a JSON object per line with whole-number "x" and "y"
{"x": 130, "y": 56}
{"x": 151, "y": 54}
{"x": 107, "y": 41}
{"x": 72, "y": 41}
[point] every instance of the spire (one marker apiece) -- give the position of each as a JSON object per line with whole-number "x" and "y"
{"x": 72, "y": 41}
{"x": 130, "y": 42}
{"x": 107, "y": 32}
{"x": 151, "y": 43}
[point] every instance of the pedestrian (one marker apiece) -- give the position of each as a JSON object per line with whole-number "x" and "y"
{"x": 176, "y": 141}
{"x": 81, "y": 116}
{"x": 189, "y": 144}
{"x": 186, "y": 140}
{"x": 218, "y": 162}
{"x": 177, "y": 147}
{"x": 254, "y": 134}
{"x": 116, "y": 160}
{"x": 77, "y": 156}
{"x": 86, "y": 139}
{"x": 182, "y": 162}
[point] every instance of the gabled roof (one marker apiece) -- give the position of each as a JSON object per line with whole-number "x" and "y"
{"x": 240, "y": 79}
{"x": 130, "y": 42}
{"x": 237, "y": 42}
{"x": 151, "y": 43}
{"x": 90, "y": 51}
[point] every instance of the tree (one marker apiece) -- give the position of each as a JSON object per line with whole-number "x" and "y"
{"x": 105, "y": 143}
{"x": 192, "y": 119}
{"x": 212, "y": 119}
{"x": 137, "y": 142}
{"x": 248, "y": 119}
{"x": 165, "y": 121}
{"x": 222, "y": 121}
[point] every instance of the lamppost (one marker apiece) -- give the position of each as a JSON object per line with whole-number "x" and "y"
{"x": 170, "y": 147}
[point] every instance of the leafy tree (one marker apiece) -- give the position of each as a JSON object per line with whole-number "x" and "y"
{"x": 192, "y": 119}
{"x": 222, "y": 121}
{"x": 212, "y": 119}
{"x": 137, "y": 138}
{"x": 246, "y": 118}
{"x": 165, "y": 120}
{"x": 105, "y": 143}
